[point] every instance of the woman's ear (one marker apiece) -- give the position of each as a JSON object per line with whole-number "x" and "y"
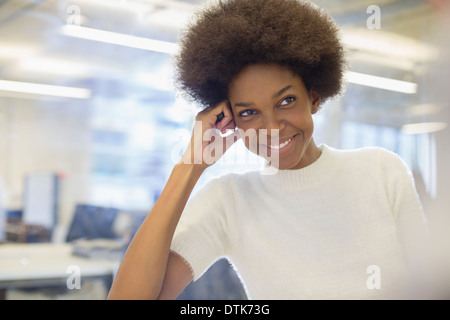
{"x": 315, "y": 101}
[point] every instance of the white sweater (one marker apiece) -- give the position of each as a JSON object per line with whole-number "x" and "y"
{"x": 337, "y": 229}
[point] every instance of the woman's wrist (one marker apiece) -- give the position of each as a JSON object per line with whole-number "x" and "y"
{"x": 193, "y": 170}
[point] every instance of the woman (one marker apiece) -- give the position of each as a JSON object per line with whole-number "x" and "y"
{"x": 328, "y": 224}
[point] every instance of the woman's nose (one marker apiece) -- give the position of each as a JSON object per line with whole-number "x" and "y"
{"x": 273, "y": 122}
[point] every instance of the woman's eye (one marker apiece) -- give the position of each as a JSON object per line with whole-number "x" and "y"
{"x": 287, "y": 101}
{"x": 246, "y": 113}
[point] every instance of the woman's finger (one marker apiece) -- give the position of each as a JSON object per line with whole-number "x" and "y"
{"x": 225, "y": 118}
{"x": 220, "y": 117}
{"x": 210, "y": 115}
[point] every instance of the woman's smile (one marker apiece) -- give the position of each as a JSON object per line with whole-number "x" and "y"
{"x": 282, "y": 147}
{"x": 283, "y": 143}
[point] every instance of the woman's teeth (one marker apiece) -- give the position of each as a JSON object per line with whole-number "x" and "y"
{"x": 281, "y": 146}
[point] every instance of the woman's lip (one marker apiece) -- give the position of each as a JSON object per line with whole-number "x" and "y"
{"x": 286, "y": 139}
{"x": 281, "y": 141}
{"x": 285, "y": 148}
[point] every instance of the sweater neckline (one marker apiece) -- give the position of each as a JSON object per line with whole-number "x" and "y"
{"x": 312, "y": 175}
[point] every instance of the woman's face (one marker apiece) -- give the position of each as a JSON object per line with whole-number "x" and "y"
{"x": 269, "y": 96}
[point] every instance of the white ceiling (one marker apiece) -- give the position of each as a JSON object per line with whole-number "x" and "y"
{"x": 33, "y": 49}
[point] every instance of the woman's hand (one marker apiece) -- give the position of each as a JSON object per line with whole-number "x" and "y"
{"x": 207, "y": 145}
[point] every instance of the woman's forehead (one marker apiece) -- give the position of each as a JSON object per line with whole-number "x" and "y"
{"x": 264, "y": 79}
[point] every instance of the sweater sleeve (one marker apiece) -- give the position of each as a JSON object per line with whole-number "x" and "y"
{"x": 200, "y": 236}
{"x": 407, "y": 211}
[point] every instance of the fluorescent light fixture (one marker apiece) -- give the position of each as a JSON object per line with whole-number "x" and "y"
{"x": 14, "y": 51}
{"x": 388, "y": 44}
{"x": 44, "y": 89}
{"x": 167, "y": 13}
{"x": 381, "y": 82}
{"x": 424, "y": 127}
{"x": 425, "y": 109}
{"x": 120, "y": 39}
{"x": 54, "y": 66}
{"x": 383, "y": 60}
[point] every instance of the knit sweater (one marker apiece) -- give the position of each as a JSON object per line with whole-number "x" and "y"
{"x": 341, "y": 228}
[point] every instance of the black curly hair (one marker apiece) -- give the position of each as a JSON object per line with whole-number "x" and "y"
{"x": 232, "y": 34}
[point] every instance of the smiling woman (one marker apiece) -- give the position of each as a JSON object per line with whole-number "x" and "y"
{"x": 286, "y": 111}
{"x": 309, "y": 230}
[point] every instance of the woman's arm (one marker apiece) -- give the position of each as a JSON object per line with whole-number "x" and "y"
{"x": 148, "y": 269}
{"x": 143, "y": 269}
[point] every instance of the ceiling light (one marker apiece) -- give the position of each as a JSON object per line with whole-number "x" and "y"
{"x": 54, "y": 66}
{"x": 388, "y": 44}
{"x": 383, "y": 60}
{"x": 425, "y": 109}
{"x": 381, "y": 82}
{"x": 424, "y": 127}
{"x": 119, "y": 39}
{"x": 44, "y": 89}
{"x": 13, "y": 51}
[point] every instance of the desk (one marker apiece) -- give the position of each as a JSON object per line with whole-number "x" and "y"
{"x": 40, "y": 265}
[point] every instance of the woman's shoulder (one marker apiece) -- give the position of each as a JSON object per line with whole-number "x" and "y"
{"x": 375, "y": 159}
{"x": 362, "y": 152}
{"x": 368, "y": 154}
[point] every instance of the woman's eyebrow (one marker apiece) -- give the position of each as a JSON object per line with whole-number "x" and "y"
{"x": 242, "y": 104}
{"x": 279, "y": 93}
{"x": 276, "y": 95}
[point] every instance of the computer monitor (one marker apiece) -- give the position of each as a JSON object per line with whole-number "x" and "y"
{"x": 40, "y": 207}
{"x": 92, "y": 222}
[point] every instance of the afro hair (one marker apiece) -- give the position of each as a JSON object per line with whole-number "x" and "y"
{"x": 228, "y": 36}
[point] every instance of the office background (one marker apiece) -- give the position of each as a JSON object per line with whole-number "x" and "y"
{"x": 91, "y": 123}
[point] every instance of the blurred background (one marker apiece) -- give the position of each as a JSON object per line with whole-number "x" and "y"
{"x": 91, "y": 125}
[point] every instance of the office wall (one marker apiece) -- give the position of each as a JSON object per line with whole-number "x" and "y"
{"x": 47, "y": 137}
